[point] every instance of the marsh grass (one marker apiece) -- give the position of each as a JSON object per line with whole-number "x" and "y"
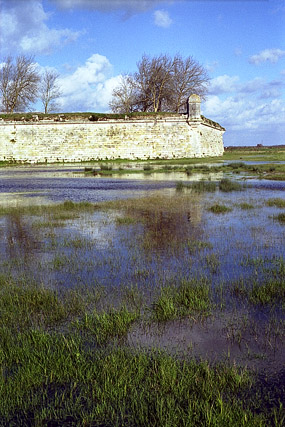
{"x": 62, "y": 354}
{"x": 226, "y": 185}
{"x": 60, "y": 383}
{"x": 219, "y": 209}
{"x": 26, "y": 305}
{"x": 57, "y": 211}
{"x": 197, "y": 187}
{"x": 147, "y": 167}
{"x": 194, "y": 246}
{"x": 60, "y": 261}
{"x": 213, "y": 262}
{"x": 277, "y": 202}
{"x": 104, "y": 326}
{"x": 179, "y": 186}
{"x": 203, "y": 186}
{"x": 188, "y": 298}
{"x": 280, "y": 217}
{"x": 47, "y": 224}
{"x": 106, "y": 167}
{"x": 126, "y": 220}
{"x": 269, "y": 292}
{"x": 246, "y": 206}
{"x": 77, "y": 243}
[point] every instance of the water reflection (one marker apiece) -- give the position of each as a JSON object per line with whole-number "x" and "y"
{"x": 19, "y": 239}
{"x": 163, "y": 229}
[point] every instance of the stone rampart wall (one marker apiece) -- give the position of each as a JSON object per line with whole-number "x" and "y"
{"x": 131, "y": 139}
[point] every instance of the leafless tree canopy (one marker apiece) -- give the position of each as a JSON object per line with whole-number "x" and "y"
{"x": 161, "y": 83}
{"x": 49, "y": 91}
{"x": 19, "y": 81}
{"x": 124, "y": 96}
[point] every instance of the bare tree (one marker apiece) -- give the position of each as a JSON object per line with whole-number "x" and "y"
{"x": 188, "y": 77}
{"x": 19, "y": 81}
{"x": 49, "y": 91}
{"x": 163, "y": 83}
{"x": 124, "y": 97}
{"x": 153, "y": 78}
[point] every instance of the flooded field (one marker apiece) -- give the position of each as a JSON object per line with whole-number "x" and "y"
{"x": 172, "y": 267}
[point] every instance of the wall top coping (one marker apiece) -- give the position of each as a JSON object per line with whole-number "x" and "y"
{"x": 203, "y": 120}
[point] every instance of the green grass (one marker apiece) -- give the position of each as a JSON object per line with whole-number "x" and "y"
{"x": 203, "y": 186}
{"x": 219, "y": 209}
{"x": 194, "y": 246}
{"x": 189, "y": 298}
{"x": 63, "y": 210}
{"x": 70, "y": 357}
{"x": 179, "y": 186}
{"x": 57, "y": 382}
{"x": 197, "y": 187}
{"x": 246, "y": 206}
{"x": 280, "y": 217}
{"x": 269, "y": 292}
{"x": 226, "y": 185}
{"x": 276, "y": 177}
{"x": 126, "y": 220}
{"x": 255, "y": 154}
{"x": 277, "y": 202}
{"x": 106, "y": 167}
{"x": 25, "y": 305}
{"x": 102, "y": 327}
{"x": 60, "y": 371}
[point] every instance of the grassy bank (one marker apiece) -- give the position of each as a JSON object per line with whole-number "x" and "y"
{"x": 63, "y": 364}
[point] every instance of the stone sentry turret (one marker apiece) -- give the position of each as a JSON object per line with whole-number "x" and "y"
{"x": 194, "y": 107}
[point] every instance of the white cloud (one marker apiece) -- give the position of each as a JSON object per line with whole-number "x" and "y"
{"x": 129, "y": 6}
{"x": 89, "y": 87}
{"x": 247, "y": 108}
{"x": 162, "y": 19}
{"x": 223, "y": 84}
{"x": 267, "y": 55}
{"x": 257, "y": 84}
{"x": 240, "y": 113}
{"x": 24, "y": 28}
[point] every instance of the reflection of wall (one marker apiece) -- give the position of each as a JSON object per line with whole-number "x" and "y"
{"x": 131, "y": 139}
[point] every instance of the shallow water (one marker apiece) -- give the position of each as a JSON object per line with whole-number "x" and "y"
{"x": 53, "y": 183}
{"x": 162, "y": 246}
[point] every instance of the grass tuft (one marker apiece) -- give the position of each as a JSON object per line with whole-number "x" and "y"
{"x": 246, "y": 206}
{"x": 280, "y": 217}
{"x": 190, "y": 297}
{"x": 102, "y": 327}
{"x": 219, "y": 209}
{"x": 277, "y": 202}
{"x": 226, "y": 185}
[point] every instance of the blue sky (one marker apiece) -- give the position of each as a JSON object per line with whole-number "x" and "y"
{"x": 90, "y": 43}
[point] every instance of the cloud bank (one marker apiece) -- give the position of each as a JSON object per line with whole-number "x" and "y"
{"x": 89, "y": 87}
{"x": 24, "y": 28}
{"x": 247, "y": 109}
